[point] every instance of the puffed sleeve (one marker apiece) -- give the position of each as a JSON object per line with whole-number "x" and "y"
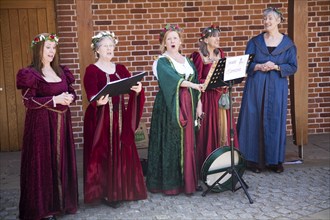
{"x": 27, "y": 81}
{"x": 70, "y": 80}
{"x": 198, "y": 62}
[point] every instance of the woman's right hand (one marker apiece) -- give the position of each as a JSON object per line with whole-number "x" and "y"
{"x": 103, "y": 100}
{"x": 199, "y": 87}
{"x": 63, "y": 99}
{"x": 265, "y": 67}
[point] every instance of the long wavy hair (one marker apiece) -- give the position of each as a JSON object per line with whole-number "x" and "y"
{"x": 208, "y": 32}
{"x": 37, "y": 55}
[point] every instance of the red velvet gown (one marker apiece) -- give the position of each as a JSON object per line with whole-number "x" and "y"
{"x": 48, "y": 165}
{"x": 112, "y": 167}
{"x": 209, "y": 135}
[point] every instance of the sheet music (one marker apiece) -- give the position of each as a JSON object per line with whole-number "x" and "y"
{"x": 235, "y": 67}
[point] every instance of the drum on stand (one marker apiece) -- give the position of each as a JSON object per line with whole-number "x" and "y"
{"x": 216, "y": 165}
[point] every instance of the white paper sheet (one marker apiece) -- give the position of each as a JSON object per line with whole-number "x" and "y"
{"x": 235, "y": 67}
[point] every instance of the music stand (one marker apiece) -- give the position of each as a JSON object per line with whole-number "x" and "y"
{"x": 219, "y": 67}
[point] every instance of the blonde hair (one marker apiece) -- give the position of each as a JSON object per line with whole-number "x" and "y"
{"x": 163, "y": 41}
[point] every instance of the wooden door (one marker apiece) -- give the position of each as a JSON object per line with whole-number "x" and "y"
{"x": 21, "y": 20}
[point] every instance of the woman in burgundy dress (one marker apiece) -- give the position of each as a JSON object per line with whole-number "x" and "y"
{"x": 112, "y": 168}
{"x": 214, "y": 131}
{"x": 48, "y": 165}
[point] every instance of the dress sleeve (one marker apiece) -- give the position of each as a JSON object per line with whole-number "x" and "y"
{"x": 198, "y": 62}
{"x": 70, "y": 80}
{"x": 90, "y": 83}
{"x": 289, "y": 68}
{"x": 169, "y": 83}
{"x": 251, "y": 49}
{"x": 27, "y": 81}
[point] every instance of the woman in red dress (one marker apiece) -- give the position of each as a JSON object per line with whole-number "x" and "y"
{"x": 112, "y": 168}
{"x": 48, "y": 165}
{"x": 214, "y": 130}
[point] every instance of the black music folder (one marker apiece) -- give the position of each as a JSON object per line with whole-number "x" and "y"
{"x": 122, "y": 86}
{"x": 215, "y": 77}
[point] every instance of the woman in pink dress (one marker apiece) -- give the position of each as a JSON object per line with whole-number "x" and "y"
{"x": 48, "y": 165}
{"x": 112, "y": 168}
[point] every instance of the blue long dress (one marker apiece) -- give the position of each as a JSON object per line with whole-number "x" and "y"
{"x": 262, "y": 118}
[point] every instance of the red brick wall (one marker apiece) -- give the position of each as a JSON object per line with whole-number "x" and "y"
{"x": 319, "y": 66}
{"x": 137, "y": 24}
{"x": 67, "y": 30}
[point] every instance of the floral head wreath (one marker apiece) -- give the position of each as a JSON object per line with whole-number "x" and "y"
{"x": 169, "y": 27}
{"x": 207, "y": 32}
{"x": 276, "y": 10}
{"x": 41, "y": 37}
{"x": 101, "y": 35}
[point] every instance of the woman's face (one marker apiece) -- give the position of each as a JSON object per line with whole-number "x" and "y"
{"x": 49, "y": 52}
{"x": 172, "y": 41}
{"x": 271, "y": 21}
{"x": 106, "y": 49}
{"x": 213, "y": 42}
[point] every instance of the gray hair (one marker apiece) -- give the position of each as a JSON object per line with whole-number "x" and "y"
{"x": 275, "y": 11}
{"x": 208, "y": 32}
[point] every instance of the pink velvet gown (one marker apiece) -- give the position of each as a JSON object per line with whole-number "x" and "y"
{"x": 48, "y": 165}
{"x": 112, "y": 167}
{"x": 215, "y": 127}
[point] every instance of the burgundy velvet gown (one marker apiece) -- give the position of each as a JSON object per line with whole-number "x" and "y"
{"x": 209, "y": 136}
{"x": 48, "y": 164}
{"x": 112, "y": 167}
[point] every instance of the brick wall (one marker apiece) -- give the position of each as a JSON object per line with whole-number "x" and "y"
{"x": 319, "y": 66}
{"x": 67, "y": 30}
{"x": 137, "y": 24}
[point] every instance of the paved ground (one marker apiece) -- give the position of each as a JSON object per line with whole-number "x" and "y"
{"x": 300, "y": 192}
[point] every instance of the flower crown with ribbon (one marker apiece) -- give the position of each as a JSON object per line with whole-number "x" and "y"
{"x": 277, "y": 11}
{"x": 169, "y": 27}
{"x": 41, "y": 37}
{"x": 102, "y": 34}
{"x": 207, "y": 32}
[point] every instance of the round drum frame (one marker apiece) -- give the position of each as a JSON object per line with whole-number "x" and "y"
{"x": 217, "y": 164}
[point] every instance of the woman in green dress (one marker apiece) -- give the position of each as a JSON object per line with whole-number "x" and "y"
{"x": 171, "y": 154}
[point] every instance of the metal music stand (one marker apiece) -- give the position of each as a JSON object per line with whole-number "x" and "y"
{"x": 232, "y": 170}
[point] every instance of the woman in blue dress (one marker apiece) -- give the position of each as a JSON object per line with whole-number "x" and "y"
{"x": 261, "y": 123}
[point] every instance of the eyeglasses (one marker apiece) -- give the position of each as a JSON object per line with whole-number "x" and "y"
{"x": 108, "y": 45}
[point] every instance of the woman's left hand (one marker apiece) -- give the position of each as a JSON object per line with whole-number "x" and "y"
{"x": 137, "y": 88}
{"x": 199, "y": 111}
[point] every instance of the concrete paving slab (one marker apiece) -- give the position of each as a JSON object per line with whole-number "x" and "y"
{"x": 300, "y": 192}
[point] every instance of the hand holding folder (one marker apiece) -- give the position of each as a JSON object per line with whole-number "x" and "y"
{"x": 122, "y": 86}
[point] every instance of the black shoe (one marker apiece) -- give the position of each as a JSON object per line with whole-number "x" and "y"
{"x": 276, "y": 168}
{"x": 113, "y": 204}
{"x": 279, "y": 168}
{"x": 49, "y": 218}
{"x": 254, "y": 169}
{"x": 199, "y": 188}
